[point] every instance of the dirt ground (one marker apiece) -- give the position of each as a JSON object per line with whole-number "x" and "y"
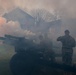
{"x": 6, "y": 52}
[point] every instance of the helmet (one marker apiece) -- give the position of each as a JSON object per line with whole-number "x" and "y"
{"x": 67, "y": 31}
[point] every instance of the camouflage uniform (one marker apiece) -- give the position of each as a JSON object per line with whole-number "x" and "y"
{"x": 68, "y": 43}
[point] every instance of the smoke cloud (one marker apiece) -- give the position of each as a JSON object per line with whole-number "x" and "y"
{"x": 12, "y": 28}
{"x": 64, "y": 8}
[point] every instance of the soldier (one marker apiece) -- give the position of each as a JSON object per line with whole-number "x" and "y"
{"x": 46, "y": 46}
{"x": 68, "y": 42}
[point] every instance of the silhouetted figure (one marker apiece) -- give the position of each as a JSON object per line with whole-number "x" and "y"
{"x": 68, "y": 42}
{"x": 46, "y": 47}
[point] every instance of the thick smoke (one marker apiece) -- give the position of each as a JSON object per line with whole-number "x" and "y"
{"x": 6, "y": 5}
{"x": 64, "y": 8}
{"x": 12, "y": 28}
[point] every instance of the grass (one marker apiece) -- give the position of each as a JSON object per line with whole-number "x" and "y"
{"x": 6, "y": 53}
{"x": 4, "y": 67}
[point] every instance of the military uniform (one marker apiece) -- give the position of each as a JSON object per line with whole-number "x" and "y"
{"x": 68, "y": 43}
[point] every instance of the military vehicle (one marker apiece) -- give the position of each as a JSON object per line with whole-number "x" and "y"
{"x": 30, "y": 60}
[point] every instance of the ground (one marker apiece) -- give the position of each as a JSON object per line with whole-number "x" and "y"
{"x": 6, "y": 52}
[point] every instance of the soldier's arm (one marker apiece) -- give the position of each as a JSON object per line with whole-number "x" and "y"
{"x": 59, "y": 38}
{"x": 74, "y": 42}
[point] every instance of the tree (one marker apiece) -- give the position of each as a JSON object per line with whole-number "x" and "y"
{"x": 44, "y": 20}
{"x": 42, "y": 15}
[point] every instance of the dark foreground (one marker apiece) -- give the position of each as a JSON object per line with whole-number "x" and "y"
{"x": 32, "y": 64}
{"x": 5, "y": 69}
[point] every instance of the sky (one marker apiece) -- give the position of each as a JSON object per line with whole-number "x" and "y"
{"x": 66, "y": 9}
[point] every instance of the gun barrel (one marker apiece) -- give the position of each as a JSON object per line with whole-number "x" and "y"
{"x": 12, "y": 37}
{"x": 2, "y": 38}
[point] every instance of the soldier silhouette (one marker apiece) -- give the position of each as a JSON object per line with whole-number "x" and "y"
{"x": 68, "y": 42}
{"x": 47, "y": 48}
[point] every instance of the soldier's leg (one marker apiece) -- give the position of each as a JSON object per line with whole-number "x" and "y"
{"x": 63, "y": 56}
{"x": 70, "y": 58}
{"x": 66, "y": 60}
